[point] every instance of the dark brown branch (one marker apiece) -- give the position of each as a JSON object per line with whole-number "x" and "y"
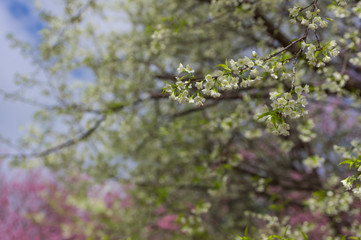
{"x": 353, "y": 84}
{"x": 275, "y": 33}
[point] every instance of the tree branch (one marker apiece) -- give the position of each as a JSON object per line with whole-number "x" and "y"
{"x": 60, "y": 146}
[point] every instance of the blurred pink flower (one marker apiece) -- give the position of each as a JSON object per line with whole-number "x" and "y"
{"x": 168, "y": 222}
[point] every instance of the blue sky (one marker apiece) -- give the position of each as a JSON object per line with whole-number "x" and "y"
{"x": 21, "y": 19}
{"x": 17, "y": 17}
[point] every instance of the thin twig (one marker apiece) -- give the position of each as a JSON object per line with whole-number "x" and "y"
{"x": 294, "y": 68}
{"x": 318, "y": 39}
{"x": 60, "y": 146}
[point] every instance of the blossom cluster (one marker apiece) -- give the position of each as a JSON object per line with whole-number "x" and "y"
{"x": 180, "y": 90}
{"x": 339, "y": 10}
{"x": 351, "y": 40}
{"x": 306, "y": 131}
{"x": 314, "y": 161}
{"x": 335, "y": 82}
{"x": 219, "y": 7}
{"x": 251, "y": 69}
{"x": 284, "y": 105}
{"x": 352, "y": 157}
{"x": 310, "y": 19}
{"x": 229, "y": 79}
{"x": 260, "y": 184}
{"x": 356, "y": 60}
{"x": 160, "y": 38}
{"x": 330, "y": 202}
{"x": 280, "y": 225}
{"x": 357, "y": 9}
{"x": 319, "y": 56}
{"x": 247, "y": 71}
{"x": 342, "y": 3}
{"x": 191, "y": 225}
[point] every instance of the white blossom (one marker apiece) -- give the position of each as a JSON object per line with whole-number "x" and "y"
{"x": 189, "y": 69}
{"x": 180, "y": 69}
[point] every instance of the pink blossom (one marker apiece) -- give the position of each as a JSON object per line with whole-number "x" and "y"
{"x": 168, "y": 222}
{"x": 296, "y": 176}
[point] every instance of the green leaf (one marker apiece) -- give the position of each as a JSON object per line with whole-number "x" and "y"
{"x": 274, "y": 121}
{"x": 327, "y": 44}
{"x": 221, "y": 65}
{"x": 348, "y": 161}
{"x": 224, "y": 66}
{"x": 116, "y": 105}
{"x": 263, "y": 115}
{"x": 275, "y": 236}
{"x": 284, "y": 234}
{"x": 246, "y": 232}
{"x": 293, "y": 39}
